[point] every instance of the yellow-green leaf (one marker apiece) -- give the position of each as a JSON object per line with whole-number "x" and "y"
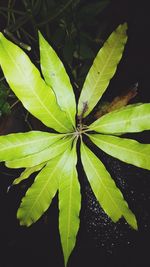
{"x": 127, "y": 150}
{"x": 69, "y": 204}
{"x": 102, "y": 70}
{"x": 39, "y": 196}
{"x": 26, "y": 82}
{"x": 18, "y": 145}
{"x": 27, "y": 173}
{"x": 56, "y": 77}
{"x": 104, "y": 188}
{"x": 132, "y": 118}
{"x": 35, "y": 159}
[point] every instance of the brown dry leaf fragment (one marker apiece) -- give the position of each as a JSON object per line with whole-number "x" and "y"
{"x": 118, "y": 102}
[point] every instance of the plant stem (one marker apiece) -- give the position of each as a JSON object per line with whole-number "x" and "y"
{"x": 57, "y": 14}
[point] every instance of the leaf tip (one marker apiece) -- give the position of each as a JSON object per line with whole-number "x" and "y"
{"x": 15, "y": 182}
{"x": 135, "y": 225}
{"x": 39, "y": 34}
{"x": 122, "y": 28}
{"x": 20, "y": 218}
{"x": 131, "y": 220}
{"x": 125, "y": 25}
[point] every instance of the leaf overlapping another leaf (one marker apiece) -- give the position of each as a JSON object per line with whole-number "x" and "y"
{"x": 102, "y": 70}
{"x": 104, "y": 188}
{"x": 35, "y": 159}
{"x": 127, "y": 150}
{"x": 26, "y": 82}
{"x": 40, "y": 194}
{"x": 14, "y": 146}
{"x": 27, "y": 173}
{"x": 132, "y": 118}
{"x": 57, "y": 78}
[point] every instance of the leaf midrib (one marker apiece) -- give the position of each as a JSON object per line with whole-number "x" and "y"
{"x": 43, "y": 189}
{"x": 120, "y": 212}
{"x": 123, "y": 148}
{"x": 25, "y": 143}
{"x": 69, "y": 209}
{"x": 48, "y": 111}
{"x": 101, "y": 72}
{"x": 55, "y": 146}
{"x": 118, "y": 122}
{"x": 66, "y": 106}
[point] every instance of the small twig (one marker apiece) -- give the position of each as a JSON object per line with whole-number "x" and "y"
{"x": 27, "y": 122}
{"x": 28, "y": 34}
{"x": 3, "y": 14}
{"x": 14, "y": 104}
{"x": 12, "y": 10}
{"x": 15, "y": 40}
{"x": 9, "y": 13}
{"x": 57, "y": 14}
{"x": 19, "y": 23}
{"x": 2, "y": 79}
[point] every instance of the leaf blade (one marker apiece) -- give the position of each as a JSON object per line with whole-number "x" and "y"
{"x": 104, "y": 188}
{"x": 14, "y": 146}
{"x": 26, "y": 82}
{"x": 39, "y": 196}
{"x": 56, "y": 77}
{"x": 127, "y": 150}
{"x": 102, "y": 70}
{"x": 132, "y": 118}
{"x": 69, "y": 204}
{"x": 27, "y": 173}
{"x": 45, "y": 155}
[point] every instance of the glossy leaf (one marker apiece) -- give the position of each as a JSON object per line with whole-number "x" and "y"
{"x": 27, "y": 173}
{"x": 56, "y": 77}
{"x": 42, "y": 156}
{"x": 69, "y": 204}
{"x": 26, "y": 82}
{"x": 132, "y": 118}
{"x": 39, "y": 196}
{"x": 104, "y": 188}
{"x": 14, "y": 146}
{"x": 127, "y": 150}
{"x": 102, "y": 70}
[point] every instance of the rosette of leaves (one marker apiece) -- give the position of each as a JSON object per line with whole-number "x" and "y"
{"x": 54, "y": 154}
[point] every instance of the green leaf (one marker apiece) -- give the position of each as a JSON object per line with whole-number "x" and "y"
{"x": 127, "y": 150}
{"x": 104, "y": 188}
{"x": 128, "y": 119}
{"x": 102, "y": 70}
{"x": 14, "y": 146}
{"x": 35, "y": 159}
{"x": 69, "y": 204}
{"x": 39, "y": 196}
{"x": 26, "y": 82}
{"x": 57, "y": 78}
{"x": 27, "y": 173}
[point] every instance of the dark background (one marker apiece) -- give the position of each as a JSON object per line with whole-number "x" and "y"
{"x": 99, "y": 242}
